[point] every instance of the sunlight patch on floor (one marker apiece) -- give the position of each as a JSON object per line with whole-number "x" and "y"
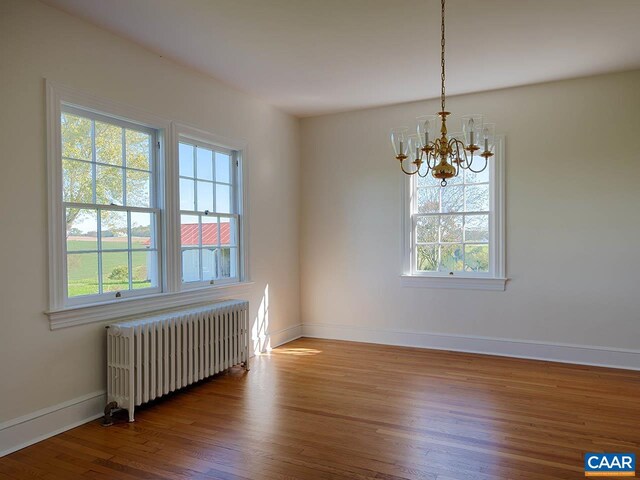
{"x": 297, "y": 351}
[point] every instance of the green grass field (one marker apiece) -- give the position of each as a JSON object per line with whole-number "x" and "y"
{"x": 82, "y": 269}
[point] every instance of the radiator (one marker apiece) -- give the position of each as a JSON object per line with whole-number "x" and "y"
{"x": 151, "y": 357}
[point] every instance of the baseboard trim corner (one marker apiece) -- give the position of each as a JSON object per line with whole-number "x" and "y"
{"x": 23, "y": 431}
{"x": 285, "y": 335}
{"x": 269, "y": 340}
{"x": 551, "y": 352}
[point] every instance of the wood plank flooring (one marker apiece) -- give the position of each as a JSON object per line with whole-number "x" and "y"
{"x": 319, "y": 409}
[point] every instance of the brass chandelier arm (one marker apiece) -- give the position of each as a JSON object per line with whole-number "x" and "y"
{"x": 486, "y": 161}
{"x": 425, "y": 173}
{"x": 455, "y": 146}
{"x": 407, "y": 172}
{"x": 427, "y": 160}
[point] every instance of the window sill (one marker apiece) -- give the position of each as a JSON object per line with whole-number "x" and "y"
{"x": 127, "y": 307}
{"x": 453, "y": 282}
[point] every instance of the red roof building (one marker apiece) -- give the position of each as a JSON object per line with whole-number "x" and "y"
{"x": 189, "y": 234}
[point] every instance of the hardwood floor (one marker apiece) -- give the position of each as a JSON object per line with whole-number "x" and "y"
{"x": 318, "y": 409}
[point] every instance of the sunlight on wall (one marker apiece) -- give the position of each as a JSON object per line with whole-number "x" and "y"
{"x": 260, "y": 332}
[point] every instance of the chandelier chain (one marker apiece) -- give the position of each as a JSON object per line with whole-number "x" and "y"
{"x": 442, "y": 58}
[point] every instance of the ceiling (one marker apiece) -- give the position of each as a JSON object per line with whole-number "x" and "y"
{"x": 310, "y": 57}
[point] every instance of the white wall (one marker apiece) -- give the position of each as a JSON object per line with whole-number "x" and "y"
{"x": 38, "y": 367}
{"x": 573, "y": 193}
{"x": 572, "y": 200}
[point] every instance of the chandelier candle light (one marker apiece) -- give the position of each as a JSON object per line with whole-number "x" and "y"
{"x": 446, "y": 155}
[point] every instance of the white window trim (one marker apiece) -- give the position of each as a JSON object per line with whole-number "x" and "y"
{"x": 496, "y": 279}
{"x": 62, "y": 314}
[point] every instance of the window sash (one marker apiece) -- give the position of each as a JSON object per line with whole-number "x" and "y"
{"x": 152, "y": 210}
{"x": 200, "y": 246}
{"x": 495, "y": 242}
{"x": 233, "y": 214}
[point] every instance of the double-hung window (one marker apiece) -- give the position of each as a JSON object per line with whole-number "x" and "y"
{"x": 454, "y": 235}
{"x": 110, "y": 207}
{"x": 208, "y": 213}
{"x": 144, "y": 213}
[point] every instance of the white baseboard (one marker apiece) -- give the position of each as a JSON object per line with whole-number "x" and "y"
{"x": 275, "y": 339}
{"x": 285, "y": 335}
{"x": 32, "y": 428}
{"x": 553, "y": 352}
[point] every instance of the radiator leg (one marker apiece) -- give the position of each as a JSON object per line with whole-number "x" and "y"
{"x": 108, "y": 420}
{"x": 131, "y": 415}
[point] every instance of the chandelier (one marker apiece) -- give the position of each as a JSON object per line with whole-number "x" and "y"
{"x": 447, "y": 154}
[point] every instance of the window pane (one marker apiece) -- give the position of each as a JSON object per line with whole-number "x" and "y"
{"x": 210, "y": 231}
{"x": 82, "y": 228}
{"x": 138, "y": 188}
{"x": 427, "y": 230}
{"x": 209, "y": 255}
{"x": 427, "y": 258}
{"x": 189, "y": 231}
{"x": 452, "y": 199}
{"x": 77, "y": 182}
{"x": 204, "y": 165}
{"x": 142, "y": 230}
{"x": 477, "y": 198}
{"x": 228, "y": 232}
{"x": 223, "y": 168}
{"x": 476, "y": 228}
{"x": 451, "y": 228}
{"x": 476, "y": 258}
{"x": 191, "y": 265}
{"x": 451, "y": 258}
{"x": 429, "y": 200}
{"x": 115, "y": 271}
{"x": 185, "y": 158}
{"x": 187, "y": 199}
{"x": 138, "y": 148}
{"x": 428, "y": 181}
{"x": 481, "y": 177}
{"x": 144, "y": 272}
{"x": 113, "y": 228}
{"x": 227, "y": 262}
{"x": 205, "y": 196}
{"x": 233, "y": 263}
{"x": 76, "y": 137}
{"x": 108, "y": 185}
{"x": 108, "y": 144}
{"x": 82, "y": 274}
{"x": 223, "y": 198}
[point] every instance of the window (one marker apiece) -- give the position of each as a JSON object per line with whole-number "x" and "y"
{"x": 144, "y": 213}
{"x": 456, "y": 231}
{"x": 110, "y": 208}
{"x": 208, "y": 213}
